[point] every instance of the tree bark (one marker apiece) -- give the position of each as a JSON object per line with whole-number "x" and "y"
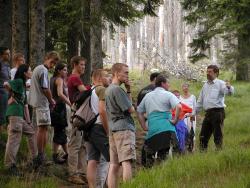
{"x": 243, "y": 64}
{"x": 37, "y": 32}
{"x": 20, "y": 27}
{"x": 5, "y": 20}
{"x": 96, "y": 35}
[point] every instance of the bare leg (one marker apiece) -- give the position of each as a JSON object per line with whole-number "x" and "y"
{"x": 91, "y": 173}
{"x": 127, "y": 170}
{"x": 113, "y": 175}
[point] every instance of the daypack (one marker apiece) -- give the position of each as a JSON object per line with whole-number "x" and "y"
{"x": 82, "y": 115}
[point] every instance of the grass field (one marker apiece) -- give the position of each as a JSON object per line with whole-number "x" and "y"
{"x": 227, "y": 168}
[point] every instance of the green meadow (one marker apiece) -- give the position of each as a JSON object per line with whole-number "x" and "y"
{"x": 227, "y": 168}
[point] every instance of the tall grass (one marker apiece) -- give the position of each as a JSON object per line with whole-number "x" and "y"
{"x": 227, "y": 168}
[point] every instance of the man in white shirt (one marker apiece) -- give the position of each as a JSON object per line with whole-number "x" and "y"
{"x": 211, "y": 99}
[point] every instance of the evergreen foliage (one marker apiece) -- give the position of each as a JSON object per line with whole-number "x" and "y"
{"x": 227, "y": 18}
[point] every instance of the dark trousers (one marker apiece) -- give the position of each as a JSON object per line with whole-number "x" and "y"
{"x": 212, "y": 124}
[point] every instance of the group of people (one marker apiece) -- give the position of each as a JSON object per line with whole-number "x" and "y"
{"x": 31, "y": 101}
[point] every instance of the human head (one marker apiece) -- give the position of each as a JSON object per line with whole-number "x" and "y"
{"x": 109, "y": 75}
{"x": 23, "y": 72}
{"x": 78, "y": 64}
{"x": 60, "y": 70}
{"x": 51, "y": 58}
{"x": 161, "y": 81}
{"x": 100, "y": 77}
{"x": 176, "y": 93}
{"x": 212, "y": 72}
{"x": 4, "y": 54}
{"x": 153, "y": 77}
{"x": 18, "y": 59}
{"x": 185, "y": 87}
{"x": 120, "y": 72}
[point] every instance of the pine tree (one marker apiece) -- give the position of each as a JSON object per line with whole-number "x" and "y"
{"x": 227, "y": 18}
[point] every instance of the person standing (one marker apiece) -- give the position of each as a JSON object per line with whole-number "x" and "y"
{"x": 190, "y": 100}
{"x": 4, "y": 76}
{"x": 121, "y": 125}
{"x": 211, "y": 99}
{"x": 58, "y": 113}
{"x": 98, "y": 144}
{"x": 161, "y": 134}
{"x": 40, "y": 98}
{"x": 76, "y": 147}
{"x": 18, "y": 118}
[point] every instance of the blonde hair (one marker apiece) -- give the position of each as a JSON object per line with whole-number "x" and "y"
{"x": 52, "y": 55}
{"x": 117, "y": 67}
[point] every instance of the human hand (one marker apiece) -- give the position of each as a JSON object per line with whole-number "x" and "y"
{"x": 173, "y": 121}
{"x": 127, "y": 85}
{"x": 11, "y": 100}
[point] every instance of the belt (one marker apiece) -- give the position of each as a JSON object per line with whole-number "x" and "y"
{"x": 215, "y": 110}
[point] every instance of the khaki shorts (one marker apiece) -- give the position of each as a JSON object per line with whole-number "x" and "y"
{"x": 41, "y": 116}
{"x": 122, "y": 146}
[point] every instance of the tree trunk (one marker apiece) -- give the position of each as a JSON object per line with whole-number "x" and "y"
{"x": 20, "y": 27}
{"x": 37, "y": 32}
{"x": 72, "y": 42}
{"x": 96, "y": 35}
{"x": 243, "y": 64}
{"x": 85, "y": 41}
{"x": 5, "y": 20}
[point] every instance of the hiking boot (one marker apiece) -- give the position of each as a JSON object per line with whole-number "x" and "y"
{"x": 13, "y": 170}
{"x": 65, "y": 156}
{"x": 57, "y": 160}
{"x": 83, "y": 177}
{"x": 76, "y": 180}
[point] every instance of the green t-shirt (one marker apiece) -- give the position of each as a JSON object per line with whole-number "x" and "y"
{"x": 18, "y": 92}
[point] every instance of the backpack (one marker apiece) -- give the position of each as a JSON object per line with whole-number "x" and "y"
{"x": 82, "y": 115}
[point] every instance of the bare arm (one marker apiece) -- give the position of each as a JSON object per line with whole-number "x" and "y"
{"x": 26, "y": 113}
{"x": 81, "y": 88}
{"x": 177, "y": 113}
{"x": 103, "y": 115}
{"x": 142, "y": 121}
{"x": 48, "y": 95}
{"x": 59, "y": 84}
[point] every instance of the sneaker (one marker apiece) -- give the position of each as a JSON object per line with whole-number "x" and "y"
{"x": 76, "y": 180}
{"x": 57, "y": 160}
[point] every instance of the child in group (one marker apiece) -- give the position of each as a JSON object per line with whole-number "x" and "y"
{"x": 181, "y": 127}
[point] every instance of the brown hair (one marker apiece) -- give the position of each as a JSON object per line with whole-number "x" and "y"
{"x": 52, "y": 55}
{"x": 117, "y": 67}
{"x": 215, "y": 68}
{"x": 17, "y": 55}
{"x": 76, "y": 60}
{"x": 160, "y": 79}
{"x": 96, "y": 74}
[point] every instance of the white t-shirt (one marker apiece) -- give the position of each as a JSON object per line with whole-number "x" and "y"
{"x": 13, "y": 73}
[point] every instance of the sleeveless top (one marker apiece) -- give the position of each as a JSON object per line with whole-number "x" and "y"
{"x": 53, "y": 88}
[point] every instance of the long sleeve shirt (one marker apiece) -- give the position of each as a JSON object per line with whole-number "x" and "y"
{"x": 212, "y": 95}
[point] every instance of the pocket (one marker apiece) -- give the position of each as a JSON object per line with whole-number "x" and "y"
{"x": 15, "y": 124}
{"x": 43, "y": 116}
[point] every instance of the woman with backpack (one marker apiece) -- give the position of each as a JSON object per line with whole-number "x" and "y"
{"x": 18, "y": 117}
{"x": 58, "y": 113}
